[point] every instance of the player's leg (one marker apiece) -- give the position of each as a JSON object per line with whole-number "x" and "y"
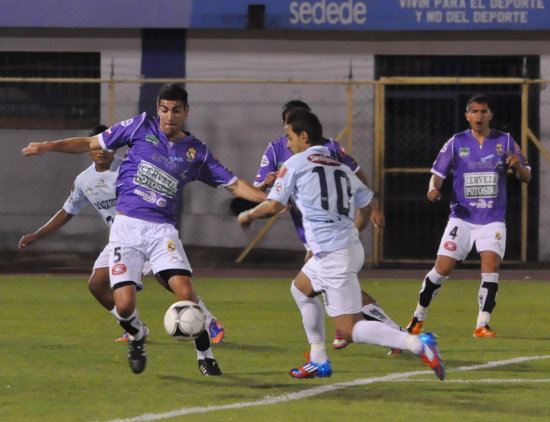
{"x": 490, "y": 242}
{"x": 455, "y": 244}
{"x": 125, "y": 266}
{"x": 313, "y": 320}
{"x": 213, "y": 324}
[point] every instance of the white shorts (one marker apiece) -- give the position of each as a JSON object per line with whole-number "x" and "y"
{"x": 459, "y": 237}
{"x": 102, "y": 261}
{"x": 335, "y": 274}
{"x": 133, "y": 241}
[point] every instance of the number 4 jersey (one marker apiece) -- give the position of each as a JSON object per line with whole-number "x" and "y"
{"x": 479, "y": 174}
{"x": 328, "y": 193}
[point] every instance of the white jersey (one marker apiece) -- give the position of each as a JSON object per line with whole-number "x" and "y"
{"x": 328, "y": 193}
{"x": 96, "y": 188}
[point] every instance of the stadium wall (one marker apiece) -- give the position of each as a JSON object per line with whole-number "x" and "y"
{"x": 219, "y": 118}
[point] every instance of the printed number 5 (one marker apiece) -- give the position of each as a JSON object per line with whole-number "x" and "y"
{"x": 116, "y": 253}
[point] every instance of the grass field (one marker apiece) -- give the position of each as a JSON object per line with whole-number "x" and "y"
{"x": 59, "y": 360}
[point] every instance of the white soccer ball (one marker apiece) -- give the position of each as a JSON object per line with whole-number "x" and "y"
{"x": 184, "y": 320}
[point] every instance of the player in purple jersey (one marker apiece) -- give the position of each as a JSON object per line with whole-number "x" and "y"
{"x": 274, "y": 156}
{"x": 96, "y": 186}
{"x": 160, "y": 160}
{"x": 479, "y": 159}
{"x": 328, "y": 193}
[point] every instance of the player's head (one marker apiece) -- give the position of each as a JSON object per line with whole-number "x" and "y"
{"x": 479, "y": 114}
{"x": 172, "y": 92}
{"x": 172, "y": 109}
{"x": 96, "y": 130}
{"x": 293, "y": 105}
{"x": 101, "y": 158}
{"x": 480, "y": 99}
{"x": 303, "y": 130}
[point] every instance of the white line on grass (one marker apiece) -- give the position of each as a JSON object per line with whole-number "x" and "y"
{"x": 402, "y": 376}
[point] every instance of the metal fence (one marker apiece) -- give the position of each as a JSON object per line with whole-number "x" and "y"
{"x": 236, "y": 118}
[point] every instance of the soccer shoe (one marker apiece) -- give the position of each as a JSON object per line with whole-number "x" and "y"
{"x": 431, "y": 356}
{"x": 125, "y": 337}
{"x": 414, "y": 326}
{"x": 209, "y": 367}
{"x": 339, "y": 341}
{"x": 217, "y": 333}
{"x": 484, "y": 331}
{"x": 136, "y": 355}
{"x": 312, "y": 370}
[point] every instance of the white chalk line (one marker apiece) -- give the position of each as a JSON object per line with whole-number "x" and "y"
{"x": 396, "y": 377}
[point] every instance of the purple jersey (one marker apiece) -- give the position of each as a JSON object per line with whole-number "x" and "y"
{"x": 277, "y": 153}
{"x": 479, "y": 173}
{"x": 155, "y": 169}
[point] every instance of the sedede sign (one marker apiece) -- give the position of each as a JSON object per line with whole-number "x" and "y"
{"x": 347, "y": 12}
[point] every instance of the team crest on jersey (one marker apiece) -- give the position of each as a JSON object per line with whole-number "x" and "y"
{"x": 323, "y": 159}
{"x": 171, "y": 246}
{"x": 126, "y": 122}
{"x": 464, "y": 152}
{"x": 498, "y": 236}
{"x": 191, "y": 154}
{"x": 152, "y": 139}
{"x": 499, "y": 148}
{"x": 264, "y": 162}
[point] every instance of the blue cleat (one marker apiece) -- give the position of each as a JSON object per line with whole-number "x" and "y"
{"x": 312, "y": 370}
{"x": 430, "y": 355}
{"x": 217, "y": 333}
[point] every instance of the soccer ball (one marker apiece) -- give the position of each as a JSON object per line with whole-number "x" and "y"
{"x": 184, "y": 320}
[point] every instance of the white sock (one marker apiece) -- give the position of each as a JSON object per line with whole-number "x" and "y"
{"x": 313, "y": 316}
{"x": 205, "y": 354}
{"x": 209, "y": 315}
{"x": 374, "y": 332}
{"x": 375, "y": 311}
{"x": 115, "y": 313}
{"x": 318, "y": 353}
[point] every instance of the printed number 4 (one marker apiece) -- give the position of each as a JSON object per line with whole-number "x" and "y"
{"x": 453, "y": 232}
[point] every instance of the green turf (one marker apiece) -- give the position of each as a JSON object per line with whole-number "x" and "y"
{"x": 59, "y": 360}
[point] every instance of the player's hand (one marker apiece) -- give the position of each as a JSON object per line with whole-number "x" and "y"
{"x": 27, "y": 240}
{"x": 36, "y": 148}
{"x": 270, "y": 178}
{"x": 377, "y": 219}
{"x": 434, "y": 195}
{"x": 512, "y": 160}
{"x": 244, "y": 219}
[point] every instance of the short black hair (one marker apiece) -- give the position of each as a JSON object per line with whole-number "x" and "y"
{"x": 172, "y": 92}
{"x": 96, "y": 130}
{"x": 480, "y": 99}
{"x": 305, "y": 121}
{"x": 293, "y": 105}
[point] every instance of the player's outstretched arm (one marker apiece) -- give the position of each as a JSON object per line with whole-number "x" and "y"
{"x": 362, "y": 217}
{"x": 245, "y": 190}
{"x": 266, "y": 209}
{"x": 70, "y": 145}
{"x": 58, "y": 220}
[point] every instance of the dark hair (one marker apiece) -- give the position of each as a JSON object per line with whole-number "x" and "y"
{"x": 96, "y": 130}
{"x": 293, "y": 105}
{"x": 305, "y": 121}
{"x": 172, "y": 92}
{"x": 478, "y": 98}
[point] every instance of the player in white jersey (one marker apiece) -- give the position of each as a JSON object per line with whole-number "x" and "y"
{"x": 328, "y": 194}
{"x": 96, "y": 186}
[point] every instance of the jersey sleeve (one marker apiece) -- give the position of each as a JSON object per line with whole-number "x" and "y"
{"x": 340, "y": 154}
{"x": 443, "y": 163}
{"x": 514, "y": 147}
{"x": 284, "y": 185}
{"x": 76, "y": 201}
{"x": 268, "y": 164}
{"x": 120, "y": 134}
{"x": 363, "y": 195}
{"x": 214, "y": 173}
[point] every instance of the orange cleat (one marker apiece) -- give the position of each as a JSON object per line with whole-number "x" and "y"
{"x": 484, "y": 331}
